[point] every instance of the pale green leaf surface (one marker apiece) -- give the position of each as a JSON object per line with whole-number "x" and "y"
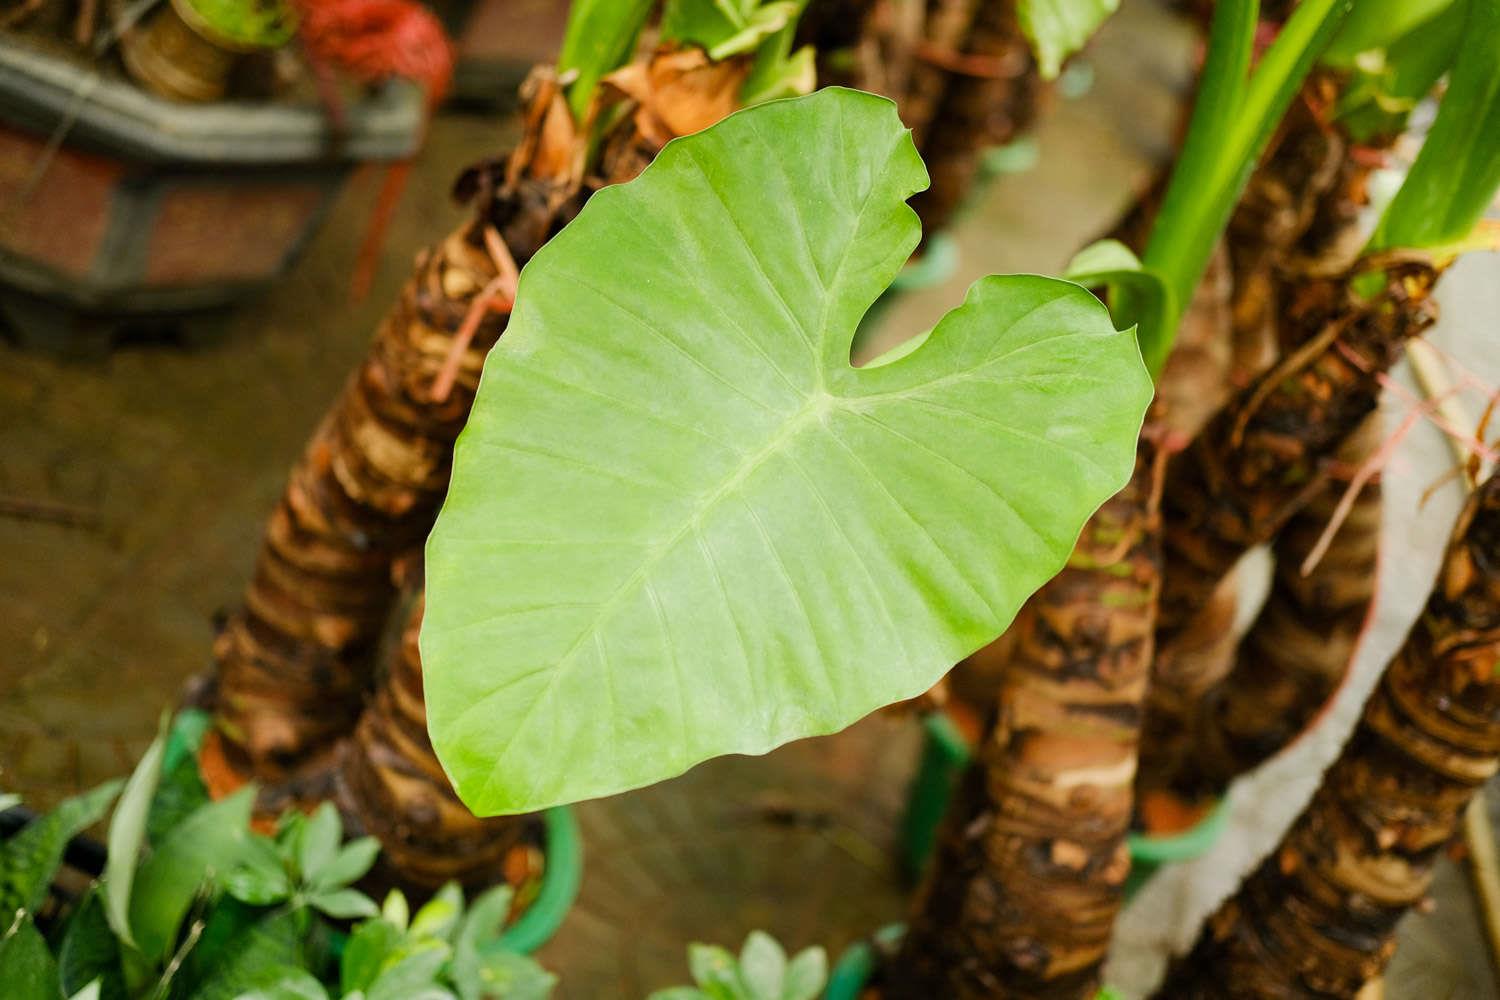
{"x": 127, "y": 834}
{"x": 1059, "y": 28}
{"x": 682, "y": 525}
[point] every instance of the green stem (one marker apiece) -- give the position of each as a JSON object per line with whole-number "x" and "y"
{"x": 1232, "y": 121}
{"x": 600, "y": 37}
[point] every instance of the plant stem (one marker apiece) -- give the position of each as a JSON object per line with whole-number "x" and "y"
{"x": 1232, "y": 121}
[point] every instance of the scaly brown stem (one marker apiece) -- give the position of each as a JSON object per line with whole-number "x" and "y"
{"x": 1317, "y": 919}
{"x": 1032, "y": 862}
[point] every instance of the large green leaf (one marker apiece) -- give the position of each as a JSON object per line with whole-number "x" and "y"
{"x": 681, "y": 524}
{"x": 1059, "y": 28}
{"x": 30, "y": 858}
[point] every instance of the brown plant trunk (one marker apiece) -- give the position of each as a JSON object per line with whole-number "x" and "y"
{"x": 1318, "y": 917}
{"x": 389, "y": 782}
{"x": 1265, "y": 455}
{"x": 1294, "y": 656}
{"x": 391, "y": 785}
{"x": 294, "y": 661}
{"x": 1031, "y": 865}
{"x": 990, "y": 94}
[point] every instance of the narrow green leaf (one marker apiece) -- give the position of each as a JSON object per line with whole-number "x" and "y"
{"x": 211, "y": 841}
{"x": 396, "y": 910}
{"x": 626, "y": 580}
{"x": 127, "y": 834}
{"x": 601, "y": 36}
{"x": 31, "y": 857}
{"x": 1458, "y": 170}
{"x": 1376, "y": 24}
{"x": 1382, "y": 90}
{"x": 27, "y": 968}
{"x": 1059, "y": 28}
{"x": 89, "y": 950}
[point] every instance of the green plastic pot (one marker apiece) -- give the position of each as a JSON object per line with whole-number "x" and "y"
{"x": 852, "y": 972}
{"x": 945, "y": 754}
{"x": 561, "y": 876}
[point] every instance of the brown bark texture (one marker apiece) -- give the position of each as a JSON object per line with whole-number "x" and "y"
{"x": 1264, "y": 456}
{"x": 1317, "y": 918}
{"x": 1294, "y": 656}
{"x": 1031, "y": 865}
{"x": 295, "y": 660}
{"x": 391, "y": 785}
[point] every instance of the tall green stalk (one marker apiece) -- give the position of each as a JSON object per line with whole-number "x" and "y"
{"x": 1233, "y": 119}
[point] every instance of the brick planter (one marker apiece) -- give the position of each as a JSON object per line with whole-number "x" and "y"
{"x": 151, "y": 208}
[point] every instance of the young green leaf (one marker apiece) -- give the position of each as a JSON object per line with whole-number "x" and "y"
{"x": 343, "y": 904}
{"x": 806, "y": 975}
{"x": 92, "y": 991}
{"x": 681, "y": 524}
{"x": 1059, "y": 28}
{"x": 439, "y": 916}
{"x": 477, "y": 932}
{"x": 210, "y": 841}
{"x": 351, "y": 863}
{"x": 1137, "y": 297}
{"x": 27, "y": 968}
{"x": 762, "y": 966}
{"x": 370, "y": 945}
{"x": 9, "y": 800}
{"x": 319, "y": 841}
{"x": 31, "y": 857}
{"x": 1458, "y": 170}
{"x": 287, "y": 983}
{"x": 260, "y": 878}
{"x": 127, "y": 834}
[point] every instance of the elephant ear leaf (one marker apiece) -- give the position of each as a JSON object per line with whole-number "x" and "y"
{"x": 681, "y": 524}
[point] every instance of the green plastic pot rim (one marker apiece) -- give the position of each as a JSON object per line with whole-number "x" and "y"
{"x": 562, "y": 872}
{"x": 1194, "y": 842}
{"x": 852, "y": 972}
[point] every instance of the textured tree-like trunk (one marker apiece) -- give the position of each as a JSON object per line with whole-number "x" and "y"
{"x": 1031, "y": 865}
{"x": 1317, "y": 919}
{"x": 1294, "y": 657}
{"x": 990, "y": 93}
{"x": 391, "y": 785}
{"x": 1265, "y": 455}
{"x": 294, "y": 660}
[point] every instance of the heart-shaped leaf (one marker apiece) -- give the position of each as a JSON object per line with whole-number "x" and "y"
{"x": 681, "y": 524}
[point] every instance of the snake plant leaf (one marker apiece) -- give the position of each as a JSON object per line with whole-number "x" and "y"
{"x": 1059, "y": 28}
{"x": 681, "y": 524}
